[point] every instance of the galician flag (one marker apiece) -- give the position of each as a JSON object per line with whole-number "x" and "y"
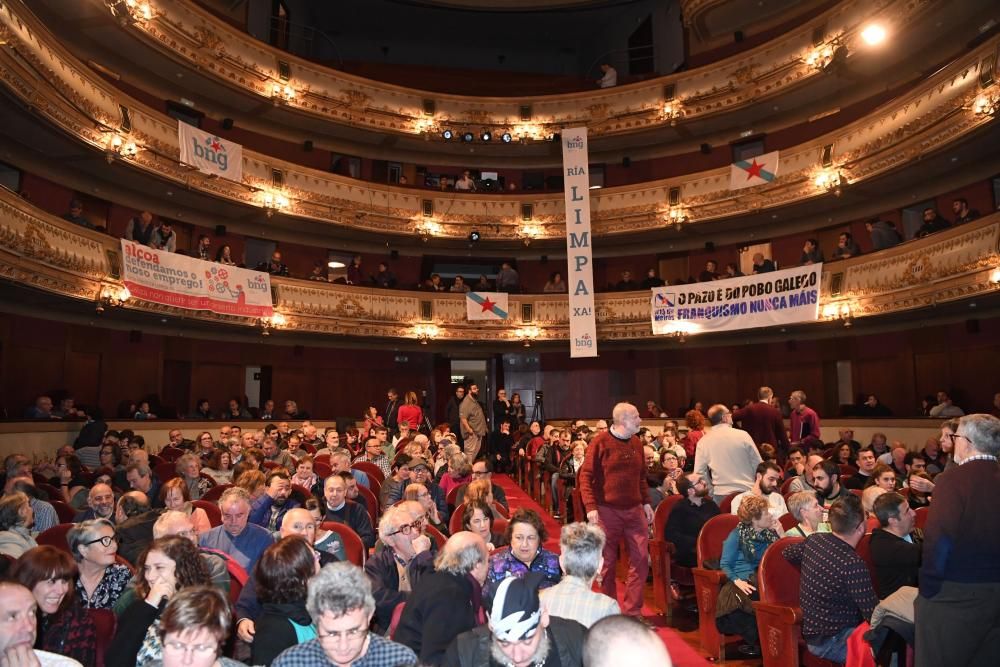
{"x": 486, "y": 306}
{"x": 755, "y": 171}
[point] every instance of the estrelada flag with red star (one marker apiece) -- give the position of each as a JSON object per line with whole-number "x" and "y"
{"x": 486, "y": 306}
{"x": 753, "y": 171}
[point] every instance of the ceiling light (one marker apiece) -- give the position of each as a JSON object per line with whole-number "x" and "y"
{"x": 873, "y": 34}
{"x": 467, "y": 137}
{"x": 448, "y": 135}
{"x": 486, "y": 135}
{"x": 474, "y": 236}
{"x": 335, "y": 264}
{"x": 506, "y": 137}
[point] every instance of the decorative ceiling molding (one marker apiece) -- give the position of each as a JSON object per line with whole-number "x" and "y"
{"x": 68, "y": 94}
{"x": 198, "y": 40}
{"x": 48, "y": 253}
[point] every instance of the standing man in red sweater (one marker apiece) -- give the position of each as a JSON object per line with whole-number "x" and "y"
{"x": 612, "y": 482}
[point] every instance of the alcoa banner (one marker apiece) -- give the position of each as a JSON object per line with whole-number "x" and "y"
{"x": 765, "y": 299}
{"x": 582, "y": 324}
{"x": 163, "y": 277}
{"x": 210, "y": 154}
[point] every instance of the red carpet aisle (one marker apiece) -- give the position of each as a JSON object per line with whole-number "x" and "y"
{"x": 682, "y": 654}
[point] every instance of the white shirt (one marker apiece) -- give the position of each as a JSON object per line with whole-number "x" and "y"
{"x": 727, "y": 457}
{"x": 775, "y": 504}
{"x": 47, "y": 659}
{"x": 610, "y": 78}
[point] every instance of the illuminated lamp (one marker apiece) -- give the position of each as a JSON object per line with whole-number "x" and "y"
{"x": 467, "y": 137}
{"x": 448, "y": 135}
{"x": 474, "y": 236}
{"x": 486, "y": 135}
{"x": 873, "y": 34}
{"x": 506, "y": 137}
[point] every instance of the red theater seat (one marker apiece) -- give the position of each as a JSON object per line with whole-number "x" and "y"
{"x": 353, "y": 546}
{"x": 661, "y": 552}
{"x": 708, "y": 582}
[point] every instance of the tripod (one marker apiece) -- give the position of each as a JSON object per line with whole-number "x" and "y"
{"x": 538, "y": 412}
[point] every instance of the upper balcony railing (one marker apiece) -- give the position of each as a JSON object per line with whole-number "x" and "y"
{"x": 192, "y": 36}
{"x": 41, "y": 251}
{"x": 945, "y": 109}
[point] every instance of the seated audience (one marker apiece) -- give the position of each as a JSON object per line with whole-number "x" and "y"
{"x": 16, "y": 519}
{"x": 868, "y": 498}
{"x": 174, "y": 496}
{"x": 347, "y": 512}
{"x": 525, "y": 534}
{"x": 341, "y": 606}
{"x": 281, "y": 577}
{"x": 933, "y": 222}
{"x": 268, "y": 509}
{"x": 688, "y": 516}
{"x": 622, "y": 640}
{"x": 835, "y": 590}
{"x": 872, "y": 407}
{"x": 478, "y": 518}
{"x": 239, "y": 538}
{"x": 63, "y": 625}
{"x": 458, "y": 285}
{"x": 274, "y": 267}
{"x": 742, "y": 552}
{"x": 135, "y": 520}
{"x": 398, "y": 567}
{"x": 963, "y": 214}
{"x": 626, "y": 284}
{"x": 459, "y": 472}
{"x": 846, "y": 247}
{"x": 178, "y": 523}
{"x": 811, "y": 254}
{"x": 521, "y": 632}
{"x": 195, "y": 622}
{"x": 169, "y": 565}
{"x": 75, "y": 215}
{"x": 581, "y": 548}
{"x": 18, "y": 631}
{"x": 865, "y": 464}
{"x": 219, "y": 466}
{"x": 883, "y": 234}
{"x": 189, "y": 469}
{"x": 101, "y": 580}
{"x": 806, "y": 509}
{"x": 762, "y": 265}
{"x": 651, "y": 281}
{"x": 384, "y": 278}
{"x": 896, "y": 545}
{"x": 508, "y": 279}
{"x": 710, "y": 272}
{"x": 431, "y": 618}
{"x": 945, "y": 407}
{"x": 767, "y": 484}
{"x": 418, "y": 493}
{"x": 395, "y": 484}
{"x": 555, "y": 284}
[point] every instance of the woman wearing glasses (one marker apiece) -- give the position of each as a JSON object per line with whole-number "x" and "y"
{"x": 102, "y": 581}
{"x": 193, "y": 628}
{"x": 168, "y": 565}
{"x": 281, "y": 575}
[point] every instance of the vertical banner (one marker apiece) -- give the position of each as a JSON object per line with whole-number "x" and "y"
{"x": 582, "y": 324}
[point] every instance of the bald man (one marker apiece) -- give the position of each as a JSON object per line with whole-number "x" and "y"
{"x": 620, "y": 640}
{"x": 298, "y": 521}
{"x": 100, "y": 504}
{"x": 612, "y": 482}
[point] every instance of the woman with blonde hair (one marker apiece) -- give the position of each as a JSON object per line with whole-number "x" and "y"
{"x": 175, "y": 496}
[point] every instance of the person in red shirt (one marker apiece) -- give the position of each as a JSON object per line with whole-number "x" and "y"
{"x": 613, "y": 486}
{"x": 411, "y": 412}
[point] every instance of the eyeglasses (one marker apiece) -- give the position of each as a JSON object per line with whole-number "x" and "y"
{"x": 352, "y": 635}
{"x": 199, "y": 649}
{"x": 105, "y": 541}
{"x": 953, "y": 436}
{"x": 407, "y": 528}
{"x": 484, "y": 473}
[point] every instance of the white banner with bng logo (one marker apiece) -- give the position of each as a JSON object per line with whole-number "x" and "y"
{"x": 765, "y": 299}
{"x": 582, "y": 322}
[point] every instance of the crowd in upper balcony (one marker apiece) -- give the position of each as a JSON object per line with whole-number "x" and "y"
{"x": 159, "y": 233}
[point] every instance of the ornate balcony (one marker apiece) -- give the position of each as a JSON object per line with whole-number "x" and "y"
{"x": 50, "y": 254}
{"x": 939, "y": 113}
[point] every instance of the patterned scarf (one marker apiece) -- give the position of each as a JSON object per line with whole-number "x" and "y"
{"x": 750, "y": 537}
